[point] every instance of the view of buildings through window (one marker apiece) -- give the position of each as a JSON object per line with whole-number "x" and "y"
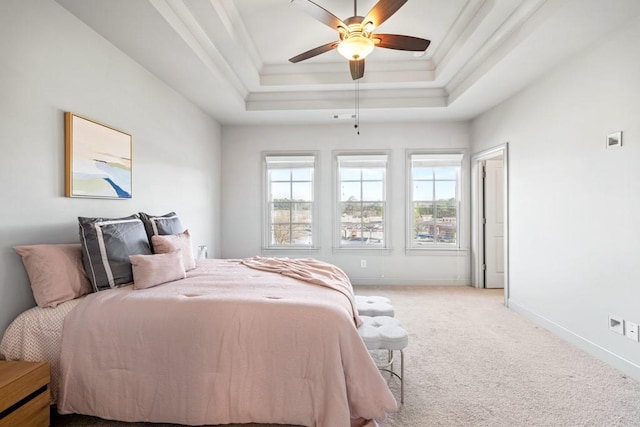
{"x": 362, "y": 200}
{"x": 290, "y": 200}
{"x": 434, "y": 199}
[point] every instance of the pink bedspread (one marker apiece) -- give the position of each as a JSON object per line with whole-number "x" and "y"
{"x": 311, "y": 271}
{"x": 229, "y": 344}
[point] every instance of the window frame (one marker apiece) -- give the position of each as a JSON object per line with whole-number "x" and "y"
{"x": 337, "y": 200}
{"x": 266, "y": 202}
{"x": 444, "y": 158}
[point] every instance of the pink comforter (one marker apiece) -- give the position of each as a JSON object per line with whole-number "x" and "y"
{"x": 228, "y": 344}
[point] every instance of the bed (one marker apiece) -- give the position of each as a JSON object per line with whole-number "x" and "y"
{"x": 226, "y": 344}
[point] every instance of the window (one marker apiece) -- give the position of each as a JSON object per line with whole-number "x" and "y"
{"x": 434, "y": 202}
{"x": 289, "y": 216}
{"x": 362, "y": 200}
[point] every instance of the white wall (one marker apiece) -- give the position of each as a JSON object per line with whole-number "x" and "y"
{"x": 574, "y": 205}
{"x": 51, "y": 63}
{"x": 242, "y": 147}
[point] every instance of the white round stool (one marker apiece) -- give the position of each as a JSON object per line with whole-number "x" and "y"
{"x": 374, "y": 306}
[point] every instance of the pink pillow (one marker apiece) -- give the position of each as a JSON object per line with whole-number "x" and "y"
{"x": 173, "y": 242}
{"x": 152, "y": 270}
{"x": 55, "y": 272}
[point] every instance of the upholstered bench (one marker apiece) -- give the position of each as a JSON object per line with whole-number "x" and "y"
{"x": 374, "y": 306}
{"x": 386, "y": 333}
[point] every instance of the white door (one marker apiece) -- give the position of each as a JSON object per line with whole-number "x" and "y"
{"x": 494, "y": 223}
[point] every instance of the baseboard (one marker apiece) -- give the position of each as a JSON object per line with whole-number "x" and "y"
{"x": 607, "y": 356}
{"x": 390, "y": 281}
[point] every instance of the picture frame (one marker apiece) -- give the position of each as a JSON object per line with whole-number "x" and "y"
{"x": 614, "y": 140}
{"x": 98, "y": 159}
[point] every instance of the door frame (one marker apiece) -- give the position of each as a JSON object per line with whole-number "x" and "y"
{"x": 477, "y": 231}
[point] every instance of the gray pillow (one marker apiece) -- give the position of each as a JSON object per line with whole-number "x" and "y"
{"x": 107, "y": 244}
{"x": 161, "y": 225}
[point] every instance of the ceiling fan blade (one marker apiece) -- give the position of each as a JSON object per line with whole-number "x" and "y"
{"x": 320, "y": 13}
{"x": 314, "y": 52}
{"x": 382, "y": 11}
{"x": 398, "y": 42}
{"x": 357, "y": 68}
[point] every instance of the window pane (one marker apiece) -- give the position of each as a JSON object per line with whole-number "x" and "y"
{"x": 373, "y": 212}
{"x": 372, "y": 191}
{"x": 350, "y": 232}
{"x": 280, "y": 235}
{"x": 424, "y": 235}
{"x": 301, "y": 213}
{"x": 280, "y": 191}
{"x": 446, "y": 212}
{"x": 280, "y": 174}
{"x": 445, "y": 190}
{"x": 423, "y": 211}
{"x": 446, "y": 233}
{"x": 350, "y": 191}
{"x": 450, "y": 172}
{"x": 351, "y": 212}
{"x": 446, "y": 222}
{"x": 422, "y": 173}
{"x": 423, "y": 190}
{"x": 301, "y": 174}
{"x": 301, "y": 234}
{"x": 350, "y": 174}
{"x": 280, "y": 212}
{"x": 289, "y": 218}
{"x": 362, "y": 201}
{"x": 302, "y": 191}
{"x": 373, "y": 223}
{"x": 373, "y": 174}
{"x": 434, "y": 200}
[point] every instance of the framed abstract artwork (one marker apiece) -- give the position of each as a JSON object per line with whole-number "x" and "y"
{"x": 97, "y": 159}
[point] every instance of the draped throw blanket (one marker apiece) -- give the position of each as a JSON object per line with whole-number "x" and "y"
{"x": 311, "y": 271}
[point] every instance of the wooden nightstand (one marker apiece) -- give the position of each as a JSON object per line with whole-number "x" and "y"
{"x": 24, "y": 394}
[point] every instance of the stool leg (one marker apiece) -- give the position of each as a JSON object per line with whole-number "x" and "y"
{"x": 401, "y": 377}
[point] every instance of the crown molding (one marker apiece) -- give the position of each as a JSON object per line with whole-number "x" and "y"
{"x": 182, "y": 21}
{"x": 344, "y": 99}
{"x": 519, "y": 25}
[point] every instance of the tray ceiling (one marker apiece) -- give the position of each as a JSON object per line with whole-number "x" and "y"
{"x": 230, "y": 57}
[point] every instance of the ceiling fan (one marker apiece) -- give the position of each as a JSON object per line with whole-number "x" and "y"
{"x": 356, "y": 38}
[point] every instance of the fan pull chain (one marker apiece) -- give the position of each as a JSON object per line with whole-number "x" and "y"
{"x": 357, "y": 107}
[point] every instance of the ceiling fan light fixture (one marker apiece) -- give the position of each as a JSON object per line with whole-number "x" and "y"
{"x": 356, "y": 47}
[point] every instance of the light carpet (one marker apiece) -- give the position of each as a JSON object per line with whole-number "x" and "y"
{"x": 473, "y": 362}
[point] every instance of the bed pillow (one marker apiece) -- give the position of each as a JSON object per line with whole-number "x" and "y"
{"x": 55, "y": 272}
{"x": 153, "y": 270}
{"x": 174, "y": 242}
{"x": 161, "y": 224}
{"x": 107, "y": 244}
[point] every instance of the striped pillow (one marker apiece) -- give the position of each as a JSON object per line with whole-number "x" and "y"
{"x": 107, "y": 244}
{"x": 161, "y": 225}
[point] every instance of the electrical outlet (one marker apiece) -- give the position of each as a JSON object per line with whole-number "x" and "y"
{"x": 631, "y": 330}
{"x": 616, "y": 324}
{"x": 363, "y": 263}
